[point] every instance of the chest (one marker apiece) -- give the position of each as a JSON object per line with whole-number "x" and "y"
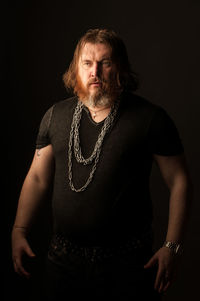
{"x": 127, "y": 137}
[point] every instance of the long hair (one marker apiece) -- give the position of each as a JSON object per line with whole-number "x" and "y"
{"x": 126, "y": 78}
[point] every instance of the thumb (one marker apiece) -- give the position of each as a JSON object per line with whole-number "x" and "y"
{"x": 29, "y": 252}
{"x": 151, "y": 262}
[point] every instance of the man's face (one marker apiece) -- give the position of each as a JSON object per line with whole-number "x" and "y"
{"x": 95, "y": 69}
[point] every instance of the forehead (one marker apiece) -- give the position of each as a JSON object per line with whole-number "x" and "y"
{"x": 95, "y": 51}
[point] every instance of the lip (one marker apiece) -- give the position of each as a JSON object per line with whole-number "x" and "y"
{"x": 95, "y": 84}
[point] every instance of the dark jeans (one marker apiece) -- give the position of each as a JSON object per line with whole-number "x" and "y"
{"x": 122, "y": 278}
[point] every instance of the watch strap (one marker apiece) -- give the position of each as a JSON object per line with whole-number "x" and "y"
{"x": 174, "y": 246}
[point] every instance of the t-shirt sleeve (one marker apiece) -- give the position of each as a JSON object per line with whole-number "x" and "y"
{"x": 43, "y": 137}
{"x": 163, "y": 136}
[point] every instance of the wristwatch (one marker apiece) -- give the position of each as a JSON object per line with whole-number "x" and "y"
{"x": 174, "y": 246}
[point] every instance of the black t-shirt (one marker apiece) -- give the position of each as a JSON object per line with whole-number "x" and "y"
{"x": 117, "y": 202}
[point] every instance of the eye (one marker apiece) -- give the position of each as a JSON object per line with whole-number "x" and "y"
{"x": 106, "y": 63}
{"x": 86, "y": 63}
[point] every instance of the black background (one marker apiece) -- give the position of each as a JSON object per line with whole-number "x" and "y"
{"x": 162, "y": 39}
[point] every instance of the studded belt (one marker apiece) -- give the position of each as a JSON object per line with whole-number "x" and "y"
{"x": 60, "y": 246}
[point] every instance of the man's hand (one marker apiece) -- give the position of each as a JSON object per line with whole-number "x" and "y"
{"x": 35, "y": 186}
{"x": 166, "y": 262}
{"x": 21, "y": 251}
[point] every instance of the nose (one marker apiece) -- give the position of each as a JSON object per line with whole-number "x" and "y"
{"x": 95, "y": 70}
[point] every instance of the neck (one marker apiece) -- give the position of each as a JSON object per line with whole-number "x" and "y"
{"x": 98, "y": 108}
{"x": 100, "y": 114}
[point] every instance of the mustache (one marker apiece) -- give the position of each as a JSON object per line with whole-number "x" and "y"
{"x": 96, "y": 80}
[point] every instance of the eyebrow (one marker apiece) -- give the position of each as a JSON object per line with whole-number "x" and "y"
{"x": 106, "y": 58}
{"x": 102, "y": 59}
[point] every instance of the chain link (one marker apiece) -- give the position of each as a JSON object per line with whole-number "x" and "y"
{"x": 74, "y": 140}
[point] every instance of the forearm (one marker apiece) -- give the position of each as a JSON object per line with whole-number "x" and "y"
{"x": 31, "y": 198}
{"x": 179, "y": 208}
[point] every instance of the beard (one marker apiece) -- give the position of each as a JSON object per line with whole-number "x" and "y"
{"x": 103, "y": 96}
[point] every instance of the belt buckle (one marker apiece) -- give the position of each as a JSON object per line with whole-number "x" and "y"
{"x": 90, "y": 254}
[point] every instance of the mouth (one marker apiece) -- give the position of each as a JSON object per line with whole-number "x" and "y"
{"x": 96, "y": 84}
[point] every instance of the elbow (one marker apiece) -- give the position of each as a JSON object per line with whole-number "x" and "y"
{"x": 183, "y": 186}
{"x": 39, "y": 182}
{"x": 190, "y": 189}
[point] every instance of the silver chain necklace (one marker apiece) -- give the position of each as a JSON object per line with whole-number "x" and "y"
{"x": 75, "y": 140}
{"x": 94, "y": 113}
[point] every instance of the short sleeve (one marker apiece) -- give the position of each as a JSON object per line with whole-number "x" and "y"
{"x": 43, "y": 138}
{"x": 163, "y": 136}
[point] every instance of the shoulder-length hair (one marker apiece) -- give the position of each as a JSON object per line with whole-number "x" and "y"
{"x": 126, "y": 78}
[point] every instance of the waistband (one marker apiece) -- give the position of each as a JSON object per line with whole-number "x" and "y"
{"x": 61, "y": 246}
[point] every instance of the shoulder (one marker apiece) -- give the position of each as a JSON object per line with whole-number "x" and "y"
{"x": 65, "y": 104}
{"x": 132, "y": 101}
{"x": 62, "y": 108}
{"x": 139, "y": 108}
{"x": 58, "y": 112}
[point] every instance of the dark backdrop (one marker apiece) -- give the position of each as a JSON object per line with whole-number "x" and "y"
{"x": 162, "y": 39}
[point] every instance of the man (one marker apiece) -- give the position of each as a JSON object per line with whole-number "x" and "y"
{"x": 98, "y": 148}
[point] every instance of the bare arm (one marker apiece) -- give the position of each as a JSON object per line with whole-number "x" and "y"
{"x": 176, "y": 177}
{"x": 35, "y": 186}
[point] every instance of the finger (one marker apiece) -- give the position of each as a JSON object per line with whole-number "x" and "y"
{"x": 158, "y": 280}
{"x": 19, "y": 268}
{"x": 29, "y": 252}
{"x": 160, "y": 290}
{"x": 15, "y": 267}
{"x": 21, "y": 271}
{"x": 166, "y": 286}
{"x": 164, "y": 283}
{"x": 151, "y": 263}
